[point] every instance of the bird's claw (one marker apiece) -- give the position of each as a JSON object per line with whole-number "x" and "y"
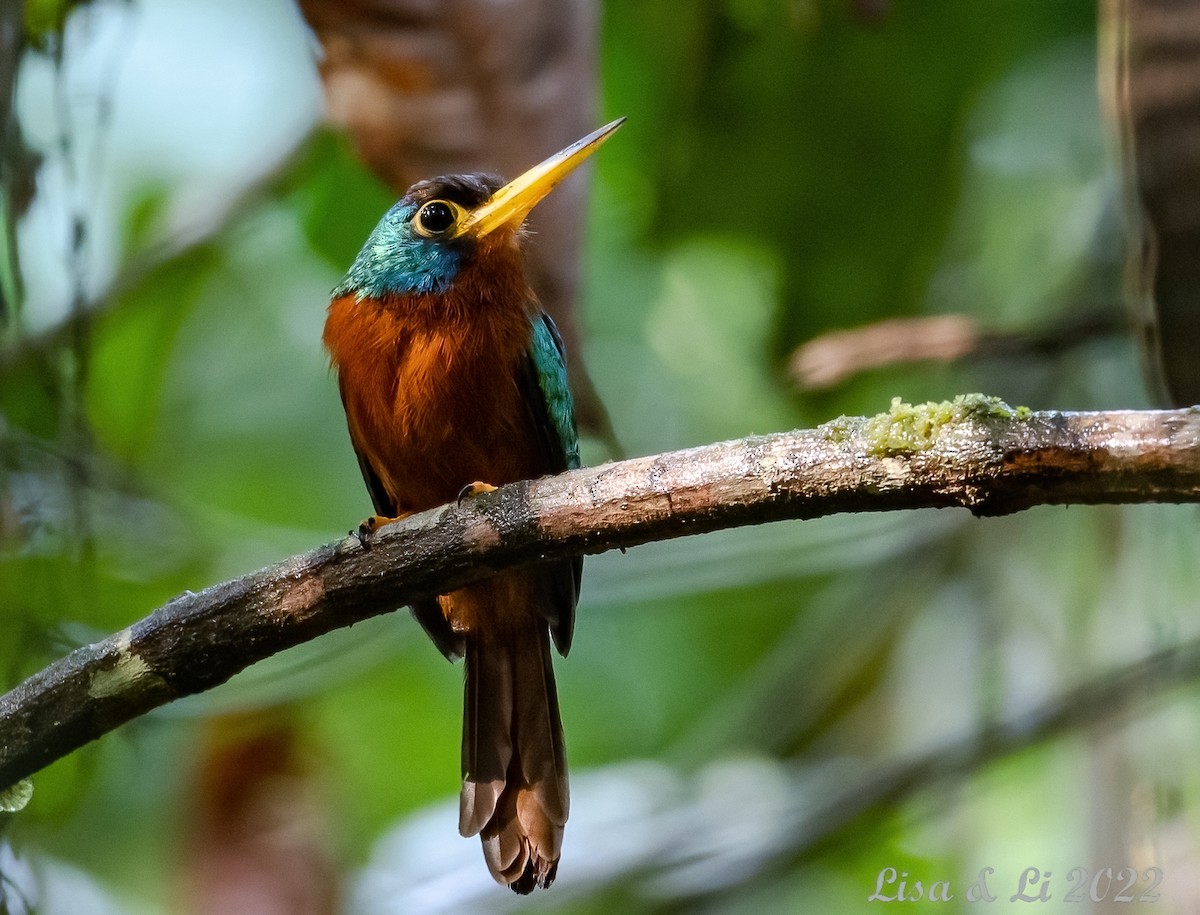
{"x": 474, "y": 489}
{"x": 366, "y": 530}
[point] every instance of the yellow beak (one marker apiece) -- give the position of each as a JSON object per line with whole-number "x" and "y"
{"x": 511, "y": 204}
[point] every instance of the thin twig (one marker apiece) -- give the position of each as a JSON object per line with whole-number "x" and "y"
{"x": 837, "y": 356}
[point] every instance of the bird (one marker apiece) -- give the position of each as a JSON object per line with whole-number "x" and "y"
{"x": 453, "y": 381}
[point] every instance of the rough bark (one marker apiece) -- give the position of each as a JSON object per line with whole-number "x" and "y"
{"x": 974, "y": 453}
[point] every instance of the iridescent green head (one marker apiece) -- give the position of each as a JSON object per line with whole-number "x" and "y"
{"x": 423, "y": 242}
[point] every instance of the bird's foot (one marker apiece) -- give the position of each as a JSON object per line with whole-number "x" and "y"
{"x": 366, "y": 530}
{"x": 474, "y": 489}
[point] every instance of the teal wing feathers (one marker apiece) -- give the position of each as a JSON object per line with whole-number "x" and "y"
{"x": 549, "y": 365}
{"x": 547, "y": 395}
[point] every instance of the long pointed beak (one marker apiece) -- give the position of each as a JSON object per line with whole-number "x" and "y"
{"x": 511, "y": 204}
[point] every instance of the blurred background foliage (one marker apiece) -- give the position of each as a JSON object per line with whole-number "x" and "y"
{"x": 736, "y": 704}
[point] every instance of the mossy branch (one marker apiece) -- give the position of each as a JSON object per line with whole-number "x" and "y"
{"x": 974, "y": 452}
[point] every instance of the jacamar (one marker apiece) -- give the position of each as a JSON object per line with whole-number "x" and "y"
{"x": 453, "y": 381}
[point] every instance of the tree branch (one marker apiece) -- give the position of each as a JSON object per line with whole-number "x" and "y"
{"x": 974, "y": 452}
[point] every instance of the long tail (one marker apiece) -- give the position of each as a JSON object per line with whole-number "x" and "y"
{"x": 514, "y": 790}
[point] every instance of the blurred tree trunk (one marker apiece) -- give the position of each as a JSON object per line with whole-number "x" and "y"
{"x": 1150, "y": 84}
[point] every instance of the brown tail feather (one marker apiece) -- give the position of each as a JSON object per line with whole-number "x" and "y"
{"x": 514, "y": 764}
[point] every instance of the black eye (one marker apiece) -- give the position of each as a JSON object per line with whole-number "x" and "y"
{"x": 436, "y": 217}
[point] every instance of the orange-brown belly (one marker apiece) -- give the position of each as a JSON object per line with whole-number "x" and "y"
{"x": 434, "y": 409}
